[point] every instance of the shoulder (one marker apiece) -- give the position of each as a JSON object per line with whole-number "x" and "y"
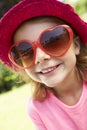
{"x": 38, "y": 106}
{"x": 32, "y": 108}
{"x": 35, "y": 113}
{"x": 35, "y": 105}
{"x": 36, "y": 110}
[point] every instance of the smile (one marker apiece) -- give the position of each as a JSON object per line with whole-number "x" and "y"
{"x": 48, "y": 70}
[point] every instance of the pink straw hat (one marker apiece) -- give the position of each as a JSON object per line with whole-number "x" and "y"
{"x": 27, "y": 9}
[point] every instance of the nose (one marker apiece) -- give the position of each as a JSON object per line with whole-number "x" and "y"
{"x": 41, "y": 56}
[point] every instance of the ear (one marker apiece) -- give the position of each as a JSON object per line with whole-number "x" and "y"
{"x": 77, "y": 45}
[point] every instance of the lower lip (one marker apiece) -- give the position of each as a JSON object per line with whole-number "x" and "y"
{"x": 51, "y": 72}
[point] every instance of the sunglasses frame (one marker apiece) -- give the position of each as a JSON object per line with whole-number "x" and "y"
{"x": 37, "y": 43}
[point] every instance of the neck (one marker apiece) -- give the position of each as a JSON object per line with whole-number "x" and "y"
{"x": 71, "y": 87}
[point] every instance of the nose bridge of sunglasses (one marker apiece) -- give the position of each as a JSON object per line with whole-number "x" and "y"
{"x": 38, "y": 47}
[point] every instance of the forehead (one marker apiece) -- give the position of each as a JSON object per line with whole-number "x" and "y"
{"x": 42, "y": 19}
{"x": 32, "y": 28}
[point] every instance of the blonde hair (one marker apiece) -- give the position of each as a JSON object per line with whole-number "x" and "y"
{"x": 82, "y": 61}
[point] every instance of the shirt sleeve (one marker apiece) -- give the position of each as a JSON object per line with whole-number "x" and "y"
{"x": 37, "y": 121}
{"x": 34, "y": 116}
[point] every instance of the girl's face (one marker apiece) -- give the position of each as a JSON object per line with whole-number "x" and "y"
{"x": 46, "y": 69}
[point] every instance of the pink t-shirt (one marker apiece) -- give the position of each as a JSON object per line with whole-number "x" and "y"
{"x": 52, "y": 114}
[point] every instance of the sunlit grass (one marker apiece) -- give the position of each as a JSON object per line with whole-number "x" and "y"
{"x": 13, "y": 110}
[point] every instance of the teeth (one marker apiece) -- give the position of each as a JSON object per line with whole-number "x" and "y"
{"x": 48, "y": 70}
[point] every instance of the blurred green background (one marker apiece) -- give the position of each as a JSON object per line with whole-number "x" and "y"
{"x": 13, "y": 95}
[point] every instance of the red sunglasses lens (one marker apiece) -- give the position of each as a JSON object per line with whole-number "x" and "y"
{"x": 55, "y": 41}
{"x": 22, "y": 54}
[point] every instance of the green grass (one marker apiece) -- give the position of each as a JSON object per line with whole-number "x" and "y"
{"x": 13, "y": 110}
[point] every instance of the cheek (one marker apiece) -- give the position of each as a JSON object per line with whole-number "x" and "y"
{"x": 70, "y": 59}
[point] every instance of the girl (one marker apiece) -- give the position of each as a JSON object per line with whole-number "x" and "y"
{"x": 47, "y": 40}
